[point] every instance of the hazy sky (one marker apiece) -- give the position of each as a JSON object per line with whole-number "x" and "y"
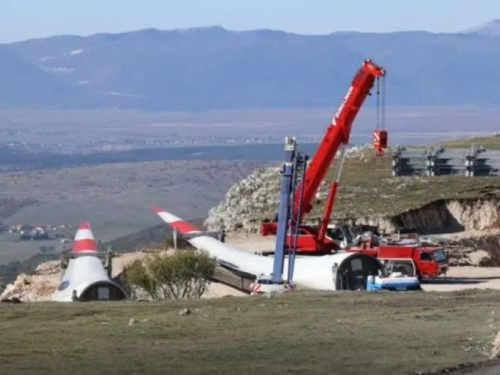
{"x": 23, "y": 19}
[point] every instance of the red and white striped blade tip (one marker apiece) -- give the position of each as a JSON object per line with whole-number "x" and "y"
{"x": 174, "y": 221}
{"x": 156, "y": 209}
{"x": 84, "y": 239}
{"x": 84, "y": 225}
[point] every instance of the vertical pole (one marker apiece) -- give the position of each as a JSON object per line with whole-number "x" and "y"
{"x": 62, "y": 260}
{"x": 109, "y": 262}
{"x": 283, "y": 211}
{"x": 222, "y": 233}
{"x": 174, "y": 237}
{"x": 293, "y": 248}
{"x": 281, "y": 233}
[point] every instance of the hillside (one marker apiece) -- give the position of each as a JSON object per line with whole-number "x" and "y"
{"x": 491, "y": 28}
{"x": 154, "y": 69}
{"x": 368, "y": 194}
{"x": 24, "y": 83}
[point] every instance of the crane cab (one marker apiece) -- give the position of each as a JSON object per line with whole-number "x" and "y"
{"x": 380, "y": 137}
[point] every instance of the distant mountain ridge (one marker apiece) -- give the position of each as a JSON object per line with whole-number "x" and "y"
{"x": 214, "y": 68}
{"x": 491, "y": 28}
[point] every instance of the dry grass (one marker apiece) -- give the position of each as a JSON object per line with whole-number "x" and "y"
{"x": 367, "y": 186}
{"x": 313, "y": 333}
{"x": 491, "y": 143}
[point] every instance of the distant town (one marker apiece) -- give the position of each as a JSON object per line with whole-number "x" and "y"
{"x": 130, "y": 143}
{"x": 26, "y": 232}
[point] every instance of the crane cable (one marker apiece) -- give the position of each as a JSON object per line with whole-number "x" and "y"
{"x": 380, "y": 103}
{"x": 382, "y": 120}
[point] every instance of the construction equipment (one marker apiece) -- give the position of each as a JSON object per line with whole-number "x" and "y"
{"x": 318, "y": 240}
{"x": 289, "y": 215}
{"x": 419, "y": 260}
{"x": 289, "y": 220}
{"x": 408, "y": 256}
{"x": 338, "y": 271}
{"x": 395, "y": 281}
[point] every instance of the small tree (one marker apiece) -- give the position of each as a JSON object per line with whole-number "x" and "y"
{"x": 185, "y": 274}
{"x": 137, "y": 275}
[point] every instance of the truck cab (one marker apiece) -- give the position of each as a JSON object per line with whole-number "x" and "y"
{"x": 410, "y": 258}
{"x": 427, "y": 262}
{"x": 341, "y": 235}
{"x": 338, "y": 237}
{"x": 431, "y": 261}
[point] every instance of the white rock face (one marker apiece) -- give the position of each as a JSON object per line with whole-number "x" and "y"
{"x": 249, "y": 200}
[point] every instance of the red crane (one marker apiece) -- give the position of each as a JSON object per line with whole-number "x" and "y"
{"x": 335, "y": 139}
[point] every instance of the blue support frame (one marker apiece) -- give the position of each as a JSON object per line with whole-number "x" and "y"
{"x": 295, "y": 222}
{"x": 289, "y": 182}
{"x": 279, "y": 251}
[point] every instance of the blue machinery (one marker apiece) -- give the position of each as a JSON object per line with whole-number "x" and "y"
{"x": 294, "y": 169}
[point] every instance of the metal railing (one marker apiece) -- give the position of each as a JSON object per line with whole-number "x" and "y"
{"x": 438, "y": 161}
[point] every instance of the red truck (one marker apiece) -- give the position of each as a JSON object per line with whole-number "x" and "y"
{"x": 422, "y": 261}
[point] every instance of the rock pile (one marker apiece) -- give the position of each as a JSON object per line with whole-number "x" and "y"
{"x": 37, "y": 286}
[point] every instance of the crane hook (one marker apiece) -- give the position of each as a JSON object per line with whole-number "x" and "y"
{"x": 380, "y": 134}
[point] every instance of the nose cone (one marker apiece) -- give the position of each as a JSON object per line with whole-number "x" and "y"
{"x": 84, "y": 239}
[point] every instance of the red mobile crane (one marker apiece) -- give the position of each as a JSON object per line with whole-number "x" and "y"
{"x": 423, "y": 261}
{"x": 336, "y": 138}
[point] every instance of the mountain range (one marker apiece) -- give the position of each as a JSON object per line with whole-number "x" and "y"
{"x": 215, "y": 68}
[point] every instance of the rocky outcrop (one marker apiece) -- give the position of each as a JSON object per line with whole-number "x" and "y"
{"x": 247, "y": 202}
{"x": 38, "y": 285}
{"x": 256, "y": 198}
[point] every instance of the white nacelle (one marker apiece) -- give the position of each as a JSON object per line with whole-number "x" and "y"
{"x": 319, "y": 273}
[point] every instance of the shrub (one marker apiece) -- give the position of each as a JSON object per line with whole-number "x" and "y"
{"x": 185, "y": 274}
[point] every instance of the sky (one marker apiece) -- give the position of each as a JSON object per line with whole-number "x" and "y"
{"x": 25, "y": 19}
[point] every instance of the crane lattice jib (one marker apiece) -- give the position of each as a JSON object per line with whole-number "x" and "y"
{"x": 338, "y": 132}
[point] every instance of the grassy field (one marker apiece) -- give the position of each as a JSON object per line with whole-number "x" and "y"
{"x": 367, "y": 186}
{"x": 313, "y": 333}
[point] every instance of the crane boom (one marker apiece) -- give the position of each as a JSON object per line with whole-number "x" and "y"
{"x": 338, "y": 132}
{"x": 335, "y": 138}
